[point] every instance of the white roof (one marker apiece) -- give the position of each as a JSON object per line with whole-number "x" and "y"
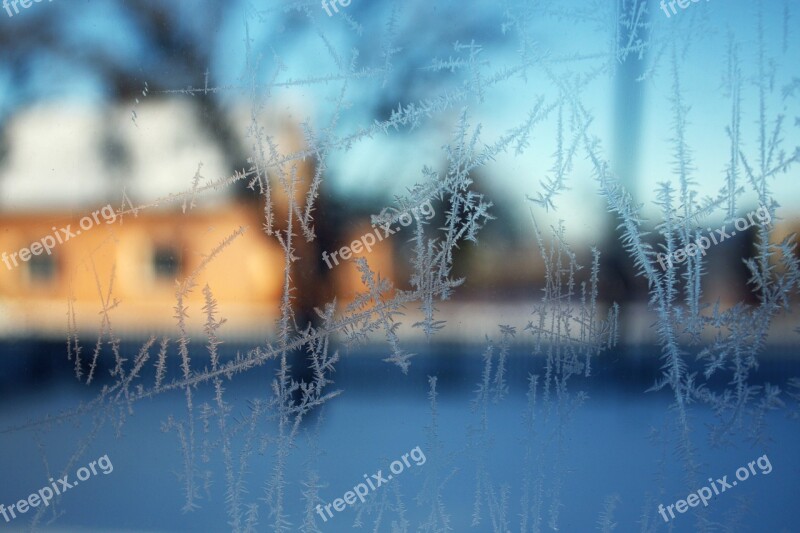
{"x": 58, "y": 155}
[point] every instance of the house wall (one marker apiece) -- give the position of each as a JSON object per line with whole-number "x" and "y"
{"x": 126, "y": 251}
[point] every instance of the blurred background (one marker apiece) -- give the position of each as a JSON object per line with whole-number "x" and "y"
{"x": 126, "y": 103}
{"x": 157, "y": 108}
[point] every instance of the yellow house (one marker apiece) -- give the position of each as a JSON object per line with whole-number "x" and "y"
{"x": 138, "y": 261}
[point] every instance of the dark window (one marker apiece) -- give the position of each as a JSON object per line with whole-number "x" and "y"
{"x": 166, "y": 262}
{"x": 42, "y": 268}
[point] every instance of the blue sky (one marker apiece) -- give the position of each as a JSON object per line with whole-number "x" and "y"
{"x": 427, "y": 30}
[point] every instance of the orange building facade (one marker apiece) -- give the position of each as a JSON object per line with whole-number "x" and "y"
{"x": 137, "y": 261}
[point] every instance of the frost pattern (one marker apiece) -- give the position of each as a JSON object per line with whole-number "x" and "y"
{"x": 568, "y": 329}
